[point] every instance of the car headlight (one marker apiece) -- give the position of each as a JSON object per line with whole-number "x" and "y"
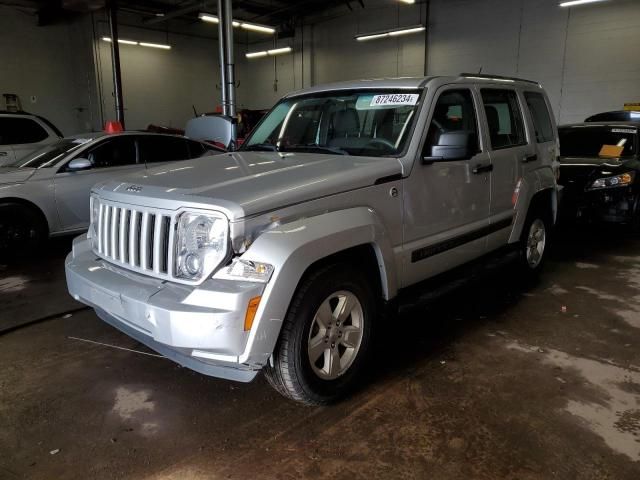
{"x": 616, "y": 181}
{"x": 245, "y": 270}
{"x": 201, "y": 244}
{"x": 94, "y": 206}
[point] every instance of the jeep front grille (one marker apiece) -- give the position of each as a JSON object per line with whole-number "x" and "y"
{"x": 137, "y": 238}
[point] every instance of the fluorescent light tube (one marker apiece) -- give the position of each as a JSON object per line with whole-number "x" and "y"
{"x": 273, "y": 51}
{"x": 578, "y": 2}
{"x": 155, "y": 45}
{"x": 209, "y": 17}
{"x": 390, "y": 33}
{"x": 121, "y": 40}
{"x": 408, "y": 1}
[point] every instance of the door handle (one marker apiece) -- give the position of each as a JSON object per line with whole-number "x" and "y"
{"x": 482, "y": 168}
{"x": 530, "y": 158}
{"x": 3, "y": 154}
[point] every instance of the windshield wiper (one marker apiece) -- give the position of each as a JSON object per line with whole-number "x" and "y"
{"x": 260, "y": 147}
{"x": 315, "y": 147}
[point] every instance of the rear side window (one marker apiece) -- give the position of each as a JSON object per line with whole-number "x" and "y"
{"x": 540, "y": 116}
{"x": 158, "y": 148}
{"x": 504, "y": 118}
{"x": 16, "y": 131}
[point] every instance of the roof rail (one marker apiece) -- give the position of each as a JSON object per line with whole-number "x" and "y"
{"x": 486, "y": 76}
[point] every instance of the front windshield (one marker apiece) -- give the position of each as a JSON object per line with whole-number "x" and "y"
{"x": 48, "y": 156}
{"x": 598, "y": 141}
{"x": 362, "y": 123}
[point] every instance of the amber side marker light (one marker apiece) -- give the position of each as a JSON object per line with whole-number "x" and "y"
{"x": 252, "y": 308}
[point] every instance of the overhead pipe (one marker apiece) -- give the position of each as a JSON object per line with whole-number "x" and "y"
{"x": 115, "y": 61}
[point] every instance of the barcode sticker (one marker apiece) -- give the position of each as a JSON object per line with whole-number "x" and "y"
{"x": 394, "y": 100}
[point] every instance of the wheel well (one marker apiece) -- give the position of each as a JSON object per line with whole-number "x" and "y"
{"x": 363, "y": 256}
{"x": 27, "y": 204}
{"x": 545, "y": 200}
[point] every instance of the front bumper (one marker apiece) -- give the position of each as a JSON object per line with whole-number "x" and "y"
{"x": 200, "y": 327}
{"x": 616, "y": 205}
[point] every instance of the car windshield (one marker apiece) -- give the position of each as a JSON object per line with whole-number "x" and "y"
{"x": 48, "y": 156}
{"x": 598, "y": 141}
{"x": 362, "y": 123}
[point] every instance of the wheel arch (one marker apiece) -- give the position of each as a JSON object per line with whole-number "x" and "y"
{"x": 533, "y": 195}
{"x": 354, "y": 235}
{"x": 28, "y": 204}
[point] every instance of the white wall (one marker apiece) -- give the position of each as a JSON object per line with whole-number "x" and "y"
{"x": 587, "y": 57}
{"x": 53, "y": 64}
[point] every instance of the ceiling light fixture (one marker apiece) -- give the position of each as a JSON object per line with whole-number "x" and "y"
{"x": 578, "y": 2}
{"x": 155, "y": 45}
{"x": 208, "y": 17}
{"x": 142, "y": 44}
{"x": 120, "y": 40}
{"x": 273, "y": 51}
{"x": 408, "y": 1}
{"x": 390, "y": 33}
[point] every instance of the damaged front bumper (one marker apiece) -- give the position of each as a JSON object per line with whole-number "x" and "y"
{"x": 615, "y": 205}
{"x": 200, "y": 327}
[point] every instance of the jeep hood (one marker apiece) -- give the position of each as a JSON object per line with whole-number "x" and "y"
{"x": 15, "y": 175}
{"x": 248, "y": 183}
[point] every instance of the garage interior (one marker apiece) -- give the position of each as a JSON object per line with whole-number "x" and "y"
{"x": 489, "y": 376}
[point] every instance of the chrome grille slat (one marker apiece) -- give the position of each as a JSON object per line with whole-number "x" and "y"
{"x": 157, "y": 244}
{"x": 138, "y": 238}
{"x": 144, "y": 241}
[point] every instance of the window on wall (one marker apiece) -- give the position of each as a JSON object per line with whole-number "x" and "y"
{"x": 540, "y": 116}
{"x": 504, "y": 118}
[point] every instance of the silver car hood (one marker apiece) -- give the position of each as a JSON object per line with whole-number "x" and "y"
{"x": 15, "y": 175}
{"x": 247, "y": 183}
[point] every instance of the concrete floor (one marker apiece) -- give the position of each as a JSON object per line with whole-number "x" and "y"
{"x": 494, "y": 380}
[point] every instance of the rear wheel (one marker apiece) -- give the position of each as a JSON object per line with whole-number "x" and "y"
{"x": 534, "y": 241}
{"x": 326, "y": 337}
{"x": 22, "y": 229}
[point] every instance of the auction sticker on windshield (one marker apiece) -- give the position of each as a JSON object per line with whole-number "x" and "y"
{"x": 394, "y": 100}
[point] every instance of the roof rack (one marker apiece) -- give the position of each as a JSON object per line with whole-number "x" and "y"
{"x": 497, "y": 77}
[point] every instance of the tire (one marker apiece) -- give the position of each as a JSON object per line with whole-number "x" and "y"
{"x": 342, "y": 350}
{"x": 22, "y": 229}
{"x": 534, "y": 241}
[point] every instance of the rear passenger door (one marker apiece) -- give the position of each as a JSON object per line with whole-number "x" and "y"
{"x": 509, "y": 151}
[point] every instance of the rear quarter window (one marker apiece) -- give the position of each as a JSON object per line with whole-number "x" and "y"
{"x": 540, "y": 116}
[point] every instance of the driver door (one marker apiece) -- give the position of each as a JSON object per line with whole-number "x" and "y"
{"x": 447, "y": 202}
{"x": 111, "y": 157}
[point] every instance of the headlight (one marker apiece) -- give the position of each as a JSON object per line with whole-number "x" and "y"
{"x": 201, "y": 244}
{"x": 245, "y": 270}
{"x": 94, "y": 206}
{"x": 617, "y": 181}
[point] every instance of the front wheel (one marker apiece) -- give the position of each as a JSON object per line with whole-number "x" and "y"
{"x": 22, "y": 230}
{"x": 535, "y": 241}
{"x": 325, "y": 340}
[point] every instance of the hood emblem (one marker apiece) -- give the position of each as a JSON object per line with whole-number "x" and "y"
{"x": 134, "y": 188}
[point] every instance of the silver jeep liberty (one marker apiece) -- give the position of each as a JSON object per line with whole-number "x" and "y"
{"x": 281, "y": 256}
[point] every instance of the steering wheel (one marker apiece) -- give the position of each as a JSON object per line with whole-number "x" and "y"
{"x": 380, "y": 143}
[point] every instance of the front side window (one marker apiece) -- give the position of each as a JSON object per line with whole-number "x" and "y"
{"x": 114, "y": 152}
{"x": 362, "y": 123}
{"x": 540, "y": 116}
{"x": 17, "y": 131}
{"x": 504, "y": 118}
{"x": 454, "y": 112}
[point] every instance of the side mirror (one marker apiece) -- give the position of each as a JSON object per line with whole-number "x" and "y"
{"x": 79, "y": 164}
{"x": 457, "y": 145}
{"x": 215, "y": 128}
